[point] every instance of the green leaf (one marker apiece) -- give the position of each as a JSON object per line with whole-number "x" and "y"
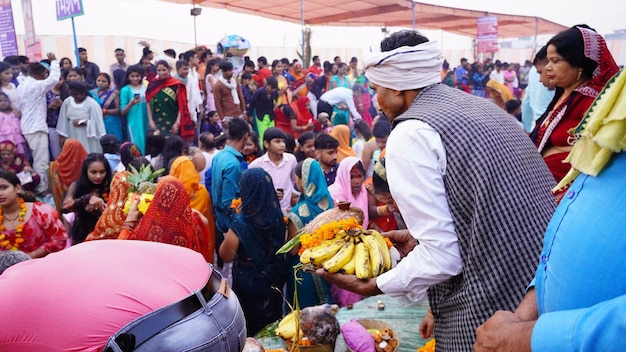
{"x": 290, "y": 244}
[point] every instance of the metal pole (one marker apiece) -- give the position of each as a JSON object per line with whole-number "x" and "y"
{"x": 413, "y": 14}
{"x": 195, "y": 33}
{"x": 536, "y": 33}
{"x": 304, "y": 64}
{"x": 75, "y": 43}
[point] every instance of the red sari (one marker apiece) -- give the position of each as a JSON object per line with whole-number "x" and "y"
{"x": 557, "y": 128}
{"x": 170, "y": 220}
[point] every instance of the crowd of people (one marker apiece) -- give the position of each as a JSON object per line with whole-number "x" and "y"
{"x": 457, "y": 167}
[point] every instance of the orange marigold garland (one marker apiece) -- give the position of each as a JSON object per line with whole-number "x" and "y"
{"x": 326, "y": 232}
{"x": 4, "y": 241}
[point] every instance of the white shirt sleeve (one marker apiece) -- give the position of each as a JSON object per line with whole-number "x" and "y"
{"x": 416, "y": 165}
{"x": 349, "y": 100}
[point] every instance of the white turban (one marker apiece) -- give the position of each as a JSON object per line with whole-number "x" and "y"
{"x": 405, "y": 68}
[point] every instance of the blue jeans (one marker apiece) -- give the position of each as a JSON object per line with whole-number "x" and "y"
{"x": 218, "y": 326}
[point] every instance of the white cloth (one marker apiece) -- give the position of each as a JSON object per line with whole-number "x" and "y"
{"x": 416, "y": 184}
{"x": 32, "y": 100}
{"x": 342, "y": 95}
{"x": 405, "y": 68}
{"x": 497, "y": 76}
{"x": 233, "y": 88}
{"x": 208, "y": 162}
{"x": 38, "y": 143}
{"x": 194, "y": 97}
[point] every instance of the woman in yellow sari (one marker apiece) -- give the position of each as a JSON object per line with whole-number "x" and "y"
{"x": 342, "y": 134}
{"x": 183, "y": 169}
{"x": 499, "y": 93}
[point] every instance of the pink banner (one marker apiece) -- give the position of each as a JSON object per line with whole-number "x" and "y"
{"x": 487, "y": 29}
{"x": 33, "y": 46}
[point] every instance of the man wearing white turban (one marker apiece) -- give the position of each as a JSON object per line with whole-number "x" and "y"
{"x": 456, "y": 166}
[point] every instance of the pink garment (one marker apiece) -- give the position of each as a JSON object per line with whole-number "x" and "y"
{"x": 74, "y": 300}
{"x": 11, "y": 130}
{"x": 510, "y": 78}
{"x": 341, "y": 190}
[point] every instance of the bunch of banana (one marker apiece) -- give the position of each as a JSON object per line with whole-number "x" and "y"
{"x": 286, "y": 328}
{"x": 361, "y": 253}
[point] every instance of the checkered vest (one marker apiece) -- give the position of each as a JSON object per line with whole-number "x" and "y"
{"x": 498, "y": 190}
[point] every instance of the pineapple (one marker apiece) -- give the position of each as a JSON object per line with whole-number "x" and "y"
{"x": 143, "y": 187}
{"x": 143, "y": 181}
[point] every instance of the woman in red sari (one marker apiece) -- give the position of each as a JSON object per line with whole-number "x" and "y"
{"x": 167, "y": 104}
{"x": 580, "y": 64}
{"x": 66, "y": 169}
{"x": 171, "y": 220}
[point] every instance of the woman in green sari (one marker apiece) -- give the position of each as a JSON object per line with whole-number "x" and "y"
{"x": 167, "y": 104}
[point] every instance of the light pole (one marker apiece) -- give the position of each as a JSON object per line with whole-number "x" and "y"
{"x": 195, "y": 12}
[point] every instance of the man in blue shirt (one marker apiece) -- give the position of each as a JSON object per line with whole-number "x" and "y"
{"x": 462, "y": 72}
{"x": 225, "y": 172}
{"x": 577, "y": 300}
{"x": 539, "y": 92}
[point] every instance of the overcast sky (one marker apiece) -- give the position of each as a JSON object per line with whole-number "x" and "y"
{"x": 149, "y": 19}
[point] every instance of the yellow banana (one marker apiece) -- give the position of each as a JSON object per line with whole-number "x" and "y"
{"x": 384, "y": 249}
{"x": 325, "y": 251}
{"x": 286, "y": 328}
{"x": 305, "y": 257}
{"x": 349, "y": 268}
{"x": 340, "y": 259}
{"x": 362, "y": 262}
{"x": 376, "y": 256}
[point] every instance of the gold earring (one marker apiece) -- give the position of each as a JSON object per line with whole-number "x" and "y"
{"x": 580, "y": 72}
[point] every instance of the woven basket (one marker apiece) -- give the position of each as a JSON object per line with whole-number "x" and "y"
{"x": 380, "y": 325}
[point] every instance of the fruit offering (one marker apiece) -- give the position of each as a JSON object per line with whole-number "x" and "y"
{"x": 287, "y": 328}
{"x": 343, "y": 246}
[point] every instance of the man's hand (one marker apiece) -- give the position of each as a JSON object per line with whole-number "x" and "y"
{"x": 504, "y": 331}
{"x": 51, "y": 57}
{"x": 402, "y": 240}
{"x": 365, "y": 287}
{"x": 144, "y": 43}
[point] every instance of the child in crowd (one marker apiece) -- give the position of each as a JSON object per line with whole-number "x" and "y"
{"x": 211, "y": 123}
{"x": 111, "y": 149}
{"x": 246, "y": 78}
{"x": 155, "y": 143}
{"x": 10, "y": 124}
{"x": 514, "y": 108}
{"x": 306, "y": 146}
{"x": 252, "y": 149}
{"x": 12, "y": 160}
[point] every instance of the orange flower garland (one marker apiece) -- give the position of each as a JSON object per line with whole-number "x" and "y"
{"x": 6, "y": 243}
{"x": 326, "y": 232}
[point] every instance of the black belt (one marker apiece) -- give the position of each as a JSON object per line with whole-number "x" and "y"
{"x": 173, "y": 313}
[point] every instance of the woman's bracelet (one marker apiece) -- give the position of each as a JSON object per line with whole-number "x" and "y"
{"x": 382, "y": 210}
{"x": 129, "y": 225}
